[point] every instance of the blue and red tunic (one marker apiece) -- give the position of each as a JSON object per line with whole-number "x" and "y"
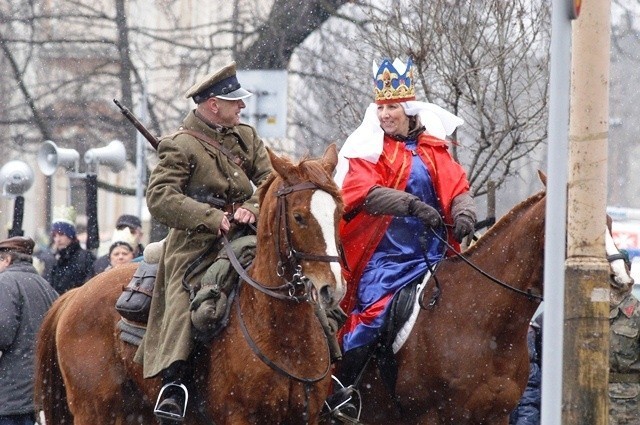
{"x": 384, "y": 253}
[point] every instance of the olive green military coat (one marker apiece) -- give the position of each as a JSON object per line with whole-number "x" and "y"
{"x": 189, "y": 168}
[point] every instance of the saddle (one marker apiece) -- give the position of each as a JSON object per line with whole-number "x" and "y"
{"x": 401, "y": 311}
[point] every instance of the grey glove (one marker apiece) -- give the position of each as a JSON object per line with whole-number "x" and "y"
{"x": 463, "y": 226}
{"x": 429, "y": 215}
{"x": 336, "y": 317}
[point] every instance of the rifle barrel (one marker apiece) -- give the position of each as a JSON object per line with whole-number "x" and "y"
{"x": 138, "y": 125}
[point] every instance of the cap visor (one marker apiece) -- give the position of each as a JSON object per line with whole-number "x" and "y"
{"x": 235, "y": 95}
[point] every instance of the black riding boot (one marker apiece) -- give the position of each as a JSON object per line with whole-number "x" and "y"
{"x": 172, "y": 400}
{"x": 351, "y": 365}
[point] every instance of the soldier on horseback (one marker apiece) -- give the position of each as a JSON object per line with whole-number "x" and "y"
{"x": 204, "y": 180}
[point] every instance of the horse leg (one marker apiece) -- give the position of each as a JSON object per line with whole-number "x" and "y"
{"x": 92, "y": 392}
{"x": 90, "y": 368}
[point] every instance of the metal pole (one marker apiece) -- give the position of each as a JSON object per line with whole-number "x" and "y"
{"x": 93, "y": 230}
{"x": 18, "y": 215}
{"x": 586, "y": 337}
{"x": 555, "y": 227}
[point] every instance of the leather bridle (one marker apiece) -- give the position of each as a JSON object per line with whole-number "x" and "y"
{"x": 297, "y": 286}
{"x": 285, "y": 247}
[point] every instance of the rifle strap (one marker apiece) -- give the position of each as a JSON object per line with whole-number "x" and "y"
{"x": 201, "y": 136}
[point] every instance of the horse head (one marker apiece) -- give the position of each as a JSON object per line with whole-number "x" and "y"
{"x": 300, "y": 208}
{"x": 621, "y": 280}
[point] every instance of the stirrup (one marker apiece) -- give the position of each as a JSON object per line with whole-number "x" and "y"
{"x": 171, "y": 417}
{"x": 341, "y": 405}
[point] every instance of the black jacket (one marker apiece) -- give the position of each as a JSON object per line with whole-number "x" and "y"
{"x": 73, "y": 268}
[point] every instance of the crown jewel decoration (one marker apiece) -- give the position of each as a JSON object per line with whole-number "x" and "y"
{"x": 393, "y": 82}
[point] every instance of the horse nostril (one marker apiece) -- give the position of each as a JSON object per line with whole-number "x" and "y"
{"x": 326, "y": 295}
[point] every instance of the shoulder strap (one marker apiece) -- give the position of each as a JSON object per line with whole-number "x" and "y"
{"x": 201, "y": 136}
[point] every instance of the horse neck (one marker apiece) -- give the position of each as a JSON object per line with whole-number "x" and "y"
{"x": 512, "y": 252}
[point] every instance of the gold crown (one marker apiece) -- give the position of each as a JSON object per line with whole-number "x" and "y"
{"x": 393, "y": 82}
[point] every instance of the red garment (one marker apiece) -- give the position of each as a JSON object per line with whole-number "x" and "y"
{"x": 362, "y": 234}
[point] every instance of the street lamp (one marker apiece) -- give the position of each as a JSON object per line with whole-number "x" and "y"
{"x": 16, "y": 177}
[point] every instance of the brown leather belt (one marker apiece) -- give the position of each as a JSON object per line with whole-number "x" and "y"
{"x": 624, "y": 378}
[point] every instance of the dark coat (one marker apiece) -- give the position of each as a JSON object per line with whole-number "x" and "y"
{"x": 528, "y": 410}
{"x": 189, "y": 168}
{"x": 74, "y": 266}
{"x": 25, "y": 297}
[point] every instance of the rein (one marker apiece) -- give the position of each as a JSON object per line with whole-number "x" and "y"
{"x": 529, "y": 295}
{"x": 298, "y": 283}
{"x": 619, "y": 256}
{"x": 268, "y": 361}
{"x": 282, "y": 292}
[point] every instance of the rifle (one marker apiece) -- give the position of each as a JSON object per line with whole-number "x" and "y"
{"x": 138, "y": 125}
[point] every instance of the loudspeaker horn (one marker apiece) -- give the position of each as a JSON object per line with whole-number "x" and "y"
{"x": 50, "y": 157}
{"x": 16, "y": 177}
{"x": 114, "y": 155}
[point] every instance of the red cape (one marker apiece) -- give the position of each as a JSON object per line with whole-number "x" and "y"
{"x": 362, "y": 234}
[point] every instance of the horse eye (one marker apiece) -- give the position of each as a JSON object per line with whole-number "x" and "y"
{"x": 298, "y": 218}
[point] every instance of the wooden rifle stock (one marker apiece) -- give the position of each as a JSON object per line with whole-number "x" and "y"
{"x": 138, "y": 125}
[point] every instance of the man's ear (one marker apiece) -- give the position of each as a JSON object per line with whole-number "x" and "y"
{"x": 213, "y": 105}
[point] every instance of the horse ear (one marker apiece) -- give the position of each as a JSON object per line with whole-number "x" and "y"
{"x": 543, "y": 177}
{"x": 330, "y": 158}
{"x": 280, "y": 165}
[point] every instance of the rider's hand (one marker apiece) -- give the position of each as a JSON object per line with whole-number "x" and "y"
{"x": 243, "y": 215}
{"x": 463, "y": 226}
{"x": 429, "y": 216}
{"x": 224, "y": 225}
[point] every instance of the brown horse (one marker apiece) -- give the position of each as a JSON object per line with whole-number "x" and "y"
{"x": 269, "y": 365}
{"x": 466, "y": 360}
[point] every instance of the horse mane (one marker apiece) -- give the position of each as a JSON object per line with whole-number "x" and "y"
{"x": 506, "y": 220}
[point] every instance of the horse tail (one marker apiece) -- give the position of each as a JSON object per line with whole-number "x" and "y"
{"x": 49, "y": 392}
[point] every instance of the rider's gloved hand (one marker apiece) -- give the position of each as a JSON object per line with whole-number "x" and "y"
{"x": 429, "y": 215}
{"x": 463, "y": 226}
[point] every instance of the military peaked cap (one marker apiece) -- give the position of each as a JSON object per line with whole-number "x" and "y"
{"x": 221, "y": 83}
{"x": 18, "y": 244}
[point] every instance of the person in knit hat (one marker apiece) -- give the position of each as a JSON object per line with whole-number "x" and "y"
{"x": 128, "y": 222}
{"x": 74, "y": 265}
{"x": 122, "y": 249}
